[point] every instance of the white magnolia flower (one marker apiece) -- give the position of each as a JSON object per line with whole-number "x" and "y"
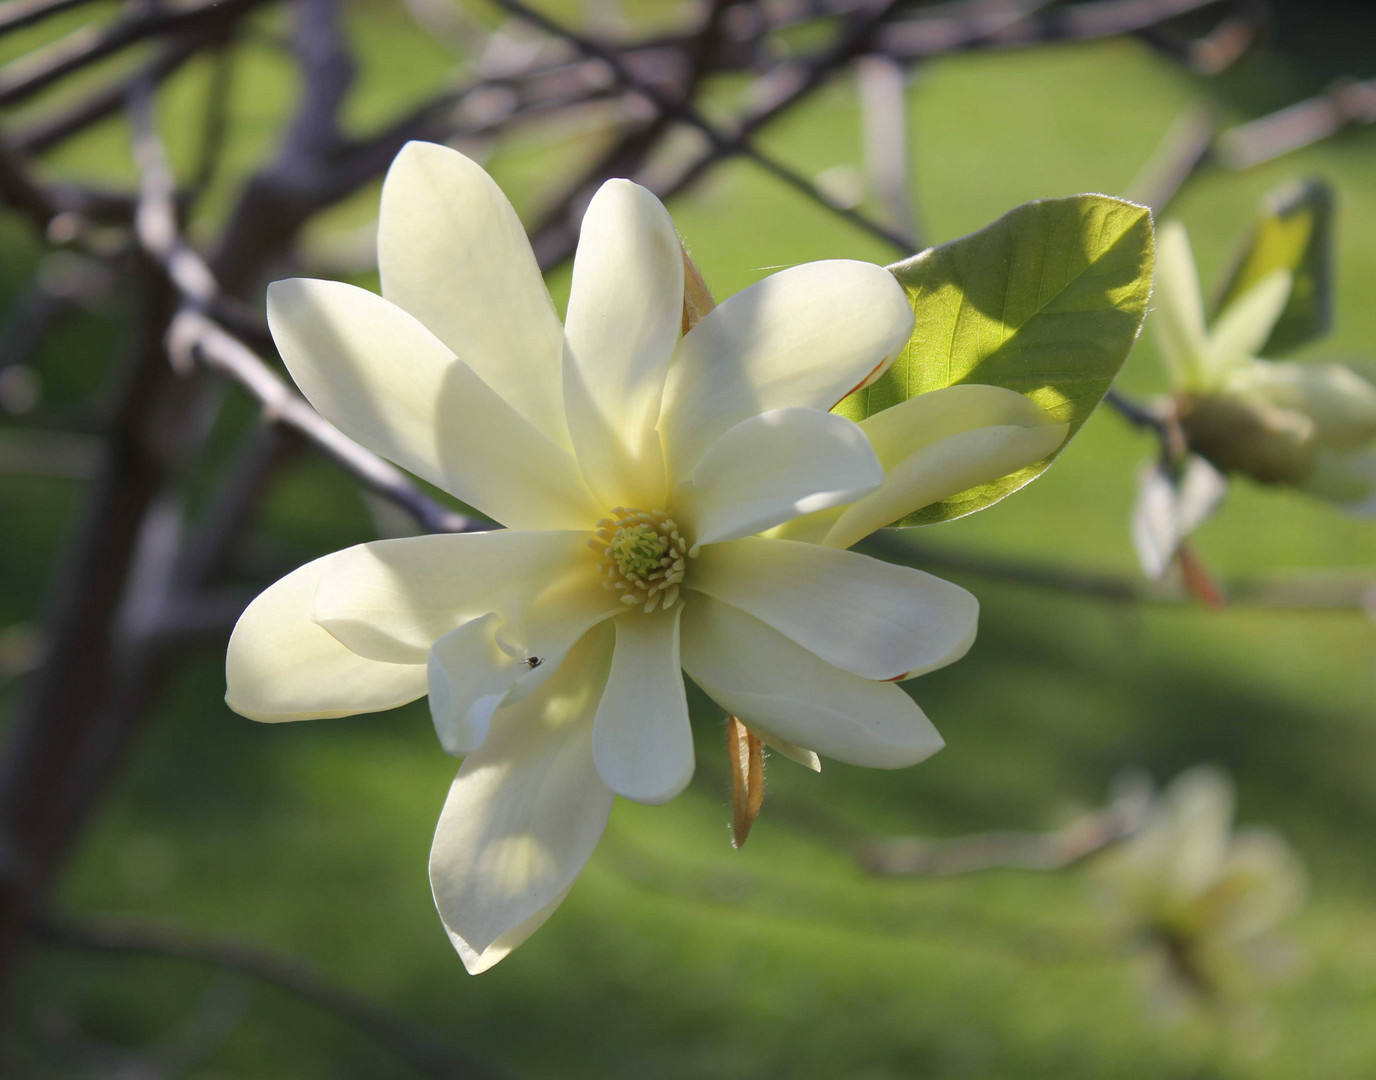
{"x": 1310, "y": 425}
{"x": 635, "y": 471}
{"x": 1204, "y": 898}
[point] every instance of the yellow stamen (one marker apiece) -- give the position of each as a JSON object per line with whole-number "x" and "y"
{"x": 643, "y": 557}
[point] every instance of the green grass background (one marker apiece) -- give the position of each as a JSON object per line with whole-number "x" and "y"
{"x": 676, "y": 956}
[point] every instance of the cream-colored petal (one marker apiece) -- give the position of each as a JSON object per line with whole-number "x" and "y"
{"x": 803, "y": 337}
{"x": 625, "y": 311}
{"x": 761, "y": 676}
{"x": 384, "y": 380}
{"x": 643, "y": 742}
{"x": 1347, "y": 479}
{"x": 955, "y": 464}
{"x": 478, "y": 962}
{"x": 392, "y": 600}
{"x": 453, "y": 253}
{"x": 488, "y": 663}
{"x": 282, "y": 666}
{"x": 774, "y": 467}
{"x": 1242, "y": 328}
{"x": 866, "y": 616}
{"x": 936, "y": 445}
{"x": 1262, "y": 882}
{"x": 469, "y": 677}
{"x": 524, "y": 814}
{"x": 1198, "y": 808}
{"x": 1178, "y": 305}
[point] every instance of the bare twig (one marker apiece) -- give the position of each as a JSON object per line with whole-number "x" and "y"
{"x": 22, "y": 79}
{"x": 1085, "y": 836}
{"x": 1327, "y": 591}
{"x": 411, "y": 1043}
{"x": 722, "y": 144}
{"x": 1345, "y": 104}
{"x": 21, "y": 13}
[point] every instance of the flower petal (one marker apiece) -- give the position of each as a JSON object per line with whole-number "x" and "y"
{"x": 393, "y": 599}
{"x": 1341, "y": 402}
{"x": 488, "y": 663}
{"x": 805, "y": 337}
{"x": 469, "y": 676}
{"x": 478, "y": 962}
{"x": 524, "y": 814}
{"x": 866, "y": 616}
{"x": 775, "y": 466}
{"x": 282, "y": 666}
{"x": 939, "y": 444}
{"x": 624, "y": 316}
{"x": 1179, "y": 305}
{"x": 453, "y": 253}
{"x": 643, "y": 741}
{"x": 384, "y": 380}
{"x": 1242, "y": 328}
{"x": 765, "y": 679}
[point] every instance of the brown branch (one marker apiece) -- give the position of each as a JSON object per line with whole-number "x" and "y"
{"x": 724, "y": 145}
{"x": 21, "y": 13}
{"x": 109, "y": 100}
{"x": 408, "y": 1041}
{"x": 22, "y": 79}
{"x": 1005, "y": 850}
{"x": 1336, "y": 591}
{"x": 965, "y": 27}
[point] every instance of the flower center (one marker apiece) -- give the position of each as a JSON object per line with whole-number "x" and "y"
{"x": 643, "y": 556}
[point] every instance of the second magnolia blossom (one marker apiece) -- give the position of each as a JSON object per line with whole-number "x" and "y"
{"x": 647, "y": 480}
{"x": 1307, "y": 424}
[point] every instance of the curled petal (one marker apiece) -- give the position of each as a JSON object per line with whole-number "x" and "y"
{"x": 779, "y": 688}
{"x": 282, "y": 666}
{"x": 469, "y": 677}
{"x": 488, "y": 663}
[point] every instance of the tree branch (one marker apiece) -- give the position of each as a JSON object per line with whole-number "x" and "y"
{"x": 408, "y": 1041}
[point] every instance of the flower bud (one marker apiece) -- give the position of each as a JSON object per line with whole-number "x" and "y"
{"x": 1341, "y": 404}
{"x": 1250, "y": 436}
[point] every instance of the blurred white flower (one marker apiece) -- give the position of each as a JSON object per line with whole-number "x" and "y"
{"x": 634, "y": 470}
{"x": 1204, "y": 899}
{"x": 1310, "y": 425}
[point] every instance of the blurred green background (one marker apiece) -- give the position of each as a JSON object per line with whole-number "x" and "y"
{"x": 676, "y": 956}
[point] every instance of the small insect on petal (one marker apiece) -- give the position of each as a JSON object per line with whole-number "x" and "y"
{"x": 746, "y": 752}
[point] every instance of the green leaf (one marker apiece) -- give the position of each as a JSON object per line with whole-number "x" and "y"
{"x": 1294, "y": 233}
{"x": 1046, "y": 301}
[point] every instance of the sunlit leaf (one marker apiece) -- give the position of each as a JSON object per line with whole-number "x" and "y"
{"x": 1294, "y": 233}
{"x": 1046, "y": 301}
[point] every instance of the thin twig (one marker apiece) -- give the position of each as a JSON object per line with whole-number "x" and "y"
{"x": 408, "y": 1041}
{"x": 22, "y": 79}
{"x": 724, "y": 145}
{"x": 1328, "y": 591}
{"x": 194, "y": 338}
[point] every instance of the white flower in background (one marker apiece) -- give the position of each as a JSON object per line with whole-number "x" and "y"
{"x": 1203, "y": 898}
{"x": 1308, "y": 424}
{"x": 634, "y": 470}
